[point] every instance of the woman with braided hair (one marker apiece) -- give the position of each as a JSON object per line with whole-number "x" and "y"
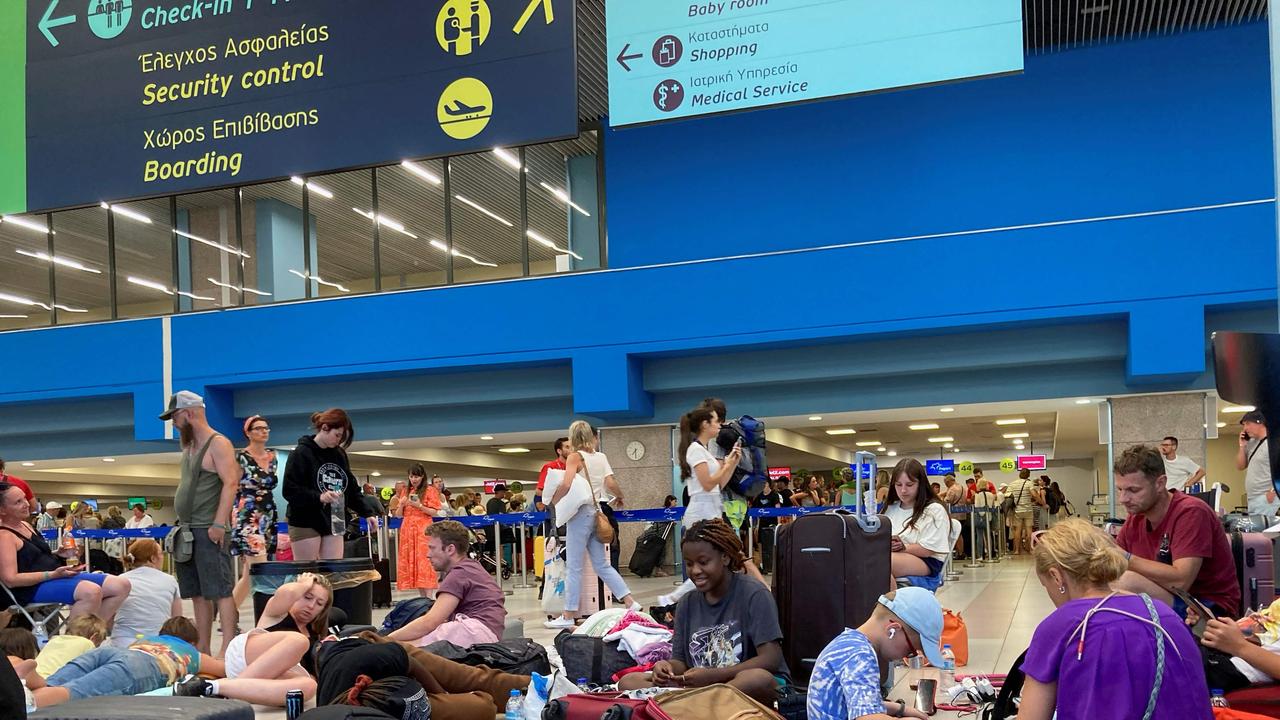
{"x": 727, "y": 631}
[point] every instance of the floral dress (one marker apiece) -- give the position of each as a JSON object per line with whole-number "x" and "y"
{"x": 255, "y": 518}
{"x": 414, "y": 568}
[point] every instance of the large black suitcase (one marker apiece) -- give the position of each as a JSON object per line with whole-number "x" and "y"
{"x": 146, "y": 708}
{"x": 650, "y": 547}
{"x": 832, "y": 568}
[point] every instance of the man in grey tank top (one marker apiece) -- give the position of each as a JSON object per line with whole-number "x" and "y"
{"x": 206, "y": 491}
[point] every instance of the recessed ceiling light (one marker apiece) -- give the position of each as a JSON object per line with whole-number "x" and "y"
{"x": 881, "y": 449}
{"x": 1236, "y": 409}
{"x": 924, "y": 426}
{"x": 893, "y": 453}
{"x": 486, "y": 437}
{"x": 387, "y": 443}
{"x": 1083, "y": 401}
{"x": 1011, "y": 436}
{"x": 869, "y": 443}
{"x": 108, "y": 459}
{"x": 1012, "y": 421}
{"x": 947, "y": 409}
{"x": 843, "y": 431}
{"x": 948, "y": 446}
{"x": 375, "y": 473}
{"x": 1222, "y": 424}
{"x": 815, "y": 418}
{"x": 513, "y": 450}
{"x": 942, "y": 439}
{"x": 28, "y": 464}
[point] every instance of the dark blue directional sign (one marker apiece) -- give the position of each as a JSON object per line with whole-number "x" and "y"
{"x": 131, "y": 98}
{"x": 939, "y": 467}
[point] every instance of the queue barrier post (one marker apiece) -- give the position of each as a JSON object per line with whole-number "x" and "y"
{"x": 524, "y": 564}
{"x": 497, "y": 558}
{"x": 973, "y": 540}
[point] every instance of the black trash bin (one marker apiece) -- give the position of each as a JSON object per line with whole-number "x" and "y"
{"x": 353, "y": 593}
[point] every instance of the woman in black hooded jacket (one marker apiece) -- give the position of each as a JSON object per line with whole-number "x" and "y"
{"x": 321, "y": 489}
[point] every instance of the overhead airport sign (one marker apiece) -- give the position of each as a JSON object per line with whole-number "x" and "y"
{"x": 128, "y": 98}
{"x": 680, "y": 58}
{"x": 939, "y": 467}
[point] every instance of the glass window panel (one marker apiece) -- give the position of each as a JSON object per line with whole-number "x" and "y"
{"x": 413, "y": 197}
{"x": 341, "y": 207}
{"x": 486, "y": 217}
{"x": 24, "y": 280}
{"x": 271, "y": 224}
{"x": 81, "y": 236}
{"x": 144, "y": 258}
{"x": 210, "y": 260}
{"x": 563, "y": 210}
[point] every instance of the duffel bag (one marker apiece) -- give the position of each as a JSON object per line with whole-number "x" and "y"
{"x": 602, "y": 706}
{"x": 521, "y": 656}
{"x": 590, "y": 657}
{"x": 344, "y": 712}
{"x": 713, "y": 701}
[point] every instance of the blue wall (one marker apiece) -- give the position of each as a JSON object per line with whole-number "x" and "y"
{"x": 1161, "y": 123}
{"x": 1079, "y": 309}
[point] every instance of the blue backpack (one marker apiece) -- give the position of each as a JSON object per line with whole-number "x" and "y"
{"x": 405, "y": 612}
{"x": 752, "y": 473}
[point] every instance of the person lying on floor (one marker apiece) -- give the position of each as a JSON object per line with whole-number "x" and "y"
{"x": 148, "y": 664}
{"x": 469, "y": 607}
{"x": 727, "y": 631}
{"x": 372, "y": 671}
{"x": 275, "y": 657}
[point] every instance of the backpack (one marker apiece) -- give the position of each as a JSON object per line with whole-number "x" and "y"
{"x": 518, "y": 657}
{"x": 752, "y": 473}
{"x": 1053, "y": 501}
{"x": 1006, "y": 704}
{"x": 405, "y": 612}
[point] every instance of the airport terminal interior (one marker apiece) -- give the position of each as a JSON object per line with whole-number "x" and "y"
{"x": 919, "y": 357}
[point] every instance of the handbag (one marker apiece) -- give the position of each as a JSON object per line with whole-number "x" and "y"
{"x": 956, "y": 634}
{"x": 604, "y": 531}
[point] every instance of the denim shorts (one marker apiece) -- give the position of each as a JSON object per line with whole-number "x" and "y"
{"x": 109, "y": 671}
{"x": 63, "y": 590}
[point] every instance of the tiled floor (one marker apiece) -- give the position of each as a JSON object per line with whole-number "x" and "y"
{"x": 1001, "y": 604}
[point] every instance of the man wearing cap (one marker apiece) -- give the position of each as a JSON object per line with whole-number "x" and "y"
{"x": 210, "y": 476}
{"x": 1254, "y": 457}
{"x": 846, "y": 679}
{"x": 47, "y": 519}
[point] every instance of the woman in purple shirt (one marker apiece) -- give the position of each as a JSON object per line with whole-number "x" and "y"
{"x": 1104, "y": 654}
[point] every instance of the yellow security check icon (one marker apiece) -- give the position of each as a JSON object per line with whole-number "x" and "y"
{"x": 464, "y": 108}
{"x": 462, "y": 26}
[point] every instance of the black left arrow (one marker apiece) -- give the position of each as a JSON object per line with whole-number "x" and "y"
{"x": 623, "y": 57}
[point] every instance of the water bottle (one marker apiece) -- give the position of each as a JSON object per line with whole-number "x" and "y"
{"x": 513, "y": 705}
{"x": 584, "y": 685}
{"x": 947, "y": 673}
{"x": 1216, "y": 698}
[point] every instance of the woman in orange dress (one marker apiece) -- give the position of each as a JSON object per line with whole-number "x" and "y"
{"x": 419, "y": 502}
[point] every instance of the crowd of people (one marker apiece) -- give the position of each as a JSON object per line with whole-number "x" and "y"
{"x": 1136, "y": 616}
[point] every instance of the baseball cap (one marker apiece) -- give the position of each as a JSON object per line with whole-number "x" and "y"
{"x": 182, "y": 400}
{"x": 919, "y": 609}
{"x": 52, "y": 505}
{"x": 1254, "y": 416}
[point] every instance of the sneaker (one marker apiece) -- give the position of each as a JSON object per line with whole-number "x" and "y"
{"x": 636, "y": 606}
{"x": 191, "y": 686}
{"x": 560, "y": 623}
{"x": 665, "y": 600}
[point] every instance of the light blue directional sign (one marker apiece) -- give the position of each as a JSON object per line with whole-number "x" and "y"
{"x": 679, "y": 58}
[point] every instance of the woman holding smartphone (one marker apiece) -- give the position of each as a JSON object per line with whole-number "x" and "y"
{"x": 706, "y": 478}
